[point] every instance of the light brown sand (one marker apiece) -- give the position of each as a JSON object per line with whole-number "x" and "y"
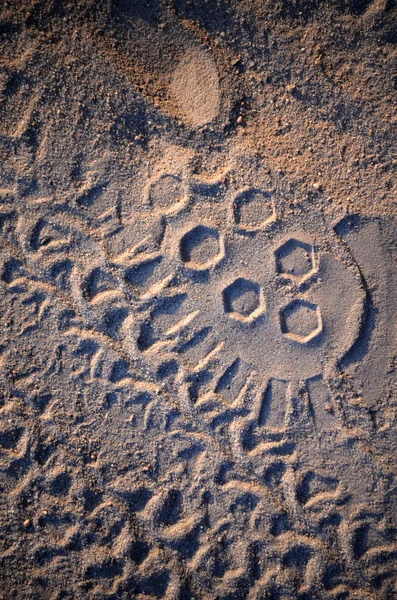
{"x": 198, "y": 300}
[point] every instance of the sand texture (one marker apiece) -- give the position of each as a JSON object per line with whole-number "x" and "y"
{"x": 198, "y": 288}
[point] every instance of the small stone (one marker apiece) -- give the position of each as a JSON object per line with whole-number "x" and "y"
{"x": 240, "y": 119}
{"x": 27, "y": 523}
{"x": 317, "y": 186}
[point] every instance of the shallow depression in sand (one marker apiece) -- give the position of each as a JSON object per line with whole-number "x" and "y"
{"x": 195, "y": 88}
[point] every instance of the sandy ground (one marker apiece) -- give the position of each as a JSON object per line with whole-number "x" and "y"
{"x": 198, "y": 249}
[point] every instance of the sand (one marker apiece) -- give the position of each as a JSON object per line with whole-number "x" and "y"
{"x": 198, "y": 249}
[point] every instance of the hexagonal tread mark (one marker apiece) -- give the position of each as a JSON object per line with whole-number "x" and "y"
{"x": 301, "y": 321}
{"x": 167, "y": 194}
{"x": 243, "y": 300}
{"x": 295, "y": 259}
{"x": 253, "y": 209}
{"x": 202, "y": 248}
